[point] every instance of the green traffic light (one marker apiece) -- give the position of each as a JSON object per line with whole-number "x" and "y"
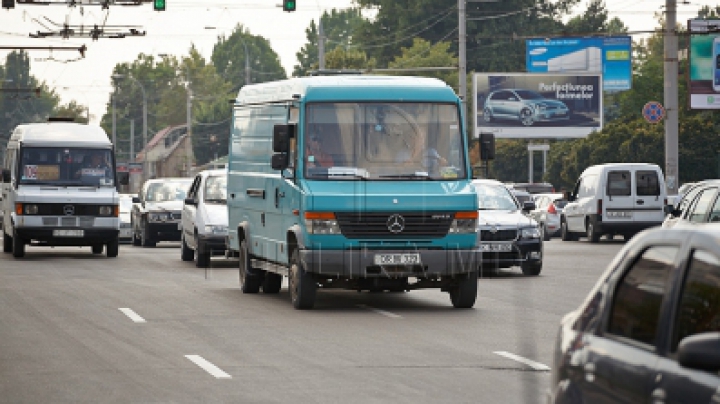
{"x": 159, "y": 5}
{"x": 289, "y": 5}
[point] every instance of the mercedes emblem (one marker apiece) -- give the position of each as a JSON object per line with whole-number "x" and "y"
{"x": 396, "y": 224}
{"x": 68, "y": 210}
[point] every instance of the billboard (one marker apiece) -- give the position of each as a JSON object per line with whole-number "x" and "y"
{"x": 611, "y": 56}
{"x": 704, "y": 54}
{"x": 526, "y": 105}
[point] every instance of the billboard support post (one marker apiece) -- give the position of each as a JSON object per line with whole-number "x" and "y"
{"x": 531, "y": 149}
{"x": 671, "y": 97}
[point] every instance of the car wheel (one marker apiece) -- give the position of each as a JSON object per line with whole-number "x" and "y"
{"x": 249, "y": 278}
{"x": 303, "y": 287}
{"x": 545, "y": 234}
{"x": 186, "y": 253}
{"x": 464, "y": 293}
{"x": 272, "y": 283}
{"x": 145, "y": 239}
{"x": 487, "y": 115}
{"x": 112, "y": 248}
{"x": 135, "y": 239}
{"x": 592, "y": 234}
{"x": 531, "y": 268}
{"x": 526, "y": 117}
{"x": 565, "y": 234}
{"x": 97, "y": 249}
{"x": 18, "y": 246}
{"x": 7, "y": 243}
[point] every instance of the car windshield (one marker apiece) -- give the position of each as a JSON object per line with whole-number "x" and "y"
{"x": 216, "y": 189}
{"x": 529, "y": 95}
{"x": 494, "y": 197}
{"x": 383, "y": 141}
{"x": 67, "y": 166}
{"x": 167, "y": 191}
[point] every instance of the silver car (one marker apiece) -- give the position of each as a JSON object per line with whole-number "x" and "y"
{"x": 548, "y": 208}
{"x": 525, "y": 106}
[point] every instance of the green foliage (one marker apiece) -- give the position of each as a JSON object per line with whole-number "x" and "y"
{"x": 424, "y": 54}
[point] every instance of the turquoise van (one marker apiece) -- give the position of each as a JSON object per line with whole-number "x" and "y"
{"x": 354, "y": 182}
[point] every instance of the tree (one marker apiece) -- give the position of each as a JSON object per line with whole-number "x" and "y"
{"x": 72, "y": 110}
{"x": 340, "y": 27}
{"x": 424, "y": 54}
{"x": 339, "y": 59}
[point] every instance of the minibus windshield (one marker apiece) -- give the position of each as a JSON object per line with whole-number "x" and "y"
{"x": 66, "y": 166}
{"x": 383, "y": 141}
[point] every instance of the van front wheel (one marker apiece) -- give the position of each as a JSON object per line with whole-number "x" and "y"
{"x": 7, "y": 243}
{"x": 302, "y": 286}
{"x": 592, "y": 235}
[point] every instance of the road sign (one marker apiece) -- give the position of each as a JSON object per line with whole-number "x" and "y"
{"x": 653, "y": 112}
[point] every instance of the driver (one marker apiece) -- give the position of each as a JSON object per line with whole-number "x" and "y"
{"x": 96, "y": 161}
{"x": 315, "y": 153}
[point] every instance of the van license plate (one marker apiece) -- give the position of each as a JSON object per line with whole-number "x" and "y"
{"x": 496, "y": 247}
{"x": 397, "y": 259}
{"x": 68, "y": 233}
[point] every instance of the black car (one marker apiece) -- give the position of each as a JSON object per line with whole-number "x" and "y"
{"x": 156, "y": 211}
{"x": 506, "y": 236}
{"x": 649, "y": 330}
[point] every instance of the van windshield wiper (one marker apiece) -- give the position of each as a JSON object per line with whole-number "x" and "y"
{"x": 345, "y": 175}
{"x": 414, "y": 176}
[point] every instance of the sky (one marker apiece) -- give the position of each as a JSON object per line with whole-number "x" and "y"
{"x": 197, "y": 22}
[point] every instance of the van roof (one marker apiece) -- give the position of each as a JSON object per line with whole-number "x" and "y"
{"x": 65, "y": 133}
{"x": 350, "y": 87}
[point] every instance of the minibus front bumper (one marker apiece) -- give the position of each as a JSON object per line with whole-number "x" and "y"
{"x": 365, "y": 263}
{"x": 70, "y": 237}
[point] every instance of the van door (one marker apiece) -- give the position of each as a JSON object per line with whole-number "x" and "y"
{"x": 189, "y": 213}
{"x": 619, "y": 201}
{"x": 649, "y": 197}
{"x": 585, "y": 203}
{"x": 8, "y": 197}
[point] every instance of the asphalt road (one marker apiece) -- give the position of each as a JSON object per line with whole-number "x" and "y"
{"x": 147, "y": 327}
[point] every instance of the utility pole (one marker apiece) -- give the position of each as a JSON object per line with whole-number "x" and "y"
{"x": 670, "y": 64}
{"x": 189, "y": 149}
{"x": 462, "y": 60}
{"x": 321, "y": 46}
{"x": 114, "y": 120}
{"x": 132, "y": 143}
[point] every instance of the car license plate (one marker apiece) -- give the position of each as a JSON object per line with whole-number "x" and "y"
{"x": 68, "y": 233}
{"x": 397, "y": 259}
{"x": 505, "y": 247}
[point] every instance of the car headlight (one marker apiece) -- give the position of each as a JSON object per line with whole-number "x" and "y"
{"x": 158, "y": 217}
{"x": 321, "y": 223}
{"x": 31, "y": 209}
{"x": 530, "y": 233}
{"x": 215, "y": 229}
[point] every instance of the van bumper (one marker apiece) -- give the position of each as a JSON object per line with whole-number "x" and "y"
{"x": 45, "y": 236}
{"x": 163, "y": 231}
{"x": 624, "y": 227}
{"x": 361, "y": 263}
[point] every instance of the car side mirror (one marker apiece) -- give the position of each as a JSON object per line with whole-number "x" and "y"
{"x": 123, "y": 178}
{"x": 700, "y": 351}
{"x": 6, "y": 175}
{"x": 528, "y": 206}
{"x": 135, "y": 199}
{"x": 190, "y": 201}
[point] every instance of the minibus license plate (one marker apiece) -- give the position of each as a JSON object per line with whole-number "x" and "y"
{"x": 397, "y": 259}
{"x": 68, "y": 233}
{"x": 496, "y": 247}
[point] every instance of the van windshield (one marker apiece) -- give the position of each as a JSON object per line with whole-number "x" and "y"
{"x": 383, "y": 141}
{"x": 66, "y": 166}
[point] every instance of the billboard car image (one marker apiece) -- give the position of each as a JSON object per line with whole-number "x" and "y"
{"x": 525, "y": 105}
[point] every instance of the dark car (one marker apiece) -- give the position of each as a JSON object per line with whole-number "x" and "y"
{"x": 700, "y": 204}
{"x": 506, "y": 236}
{"x": 156, "y": 211}
{"x": 649, "y": 330}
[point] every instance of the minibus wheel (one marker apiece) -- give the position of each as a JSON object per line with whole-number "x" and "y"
{"x": 303, "y": 288}
{"x": 249, "y": 281}
{"x": 464, "y": 292}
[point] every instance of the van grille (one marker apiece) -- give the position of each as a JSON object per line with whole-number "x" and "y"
{"x": 500, "y": 235}
{"x": 375, "y": 224}
{"x": 50, "y": 221}
{"x": 68, "y": 221}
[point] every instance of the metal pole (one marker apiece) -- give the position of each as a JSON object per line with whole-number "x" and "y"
{"x": 462, "y": 60}
{"x": 530, "y": 168}
{"x": 321, "y": 46}
{"x": 114, "y": 120}
{"x": 544, "y": 162}
{"x": 132, "y": 142}
{"x": 248, "y": 79}
{"x": 671, "y": 98}
{"x": 189, "y": 149}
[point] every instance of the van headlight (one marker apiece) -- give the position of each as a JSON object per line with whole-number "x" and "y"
{"x": 106, "y": 210}
{"x": 530, "y": 233}
{"x": 216, "y": 229}
{"x": 321, "y": 223}
{"x": 31, "y": 209}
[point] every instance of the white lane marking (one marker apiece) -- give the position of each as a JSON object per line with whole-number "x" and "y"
{"x": 532, "y": 364}
{"x": 383, "y": 312}
{"x": 208, "y": 367}
{"x": 133, "y": 316}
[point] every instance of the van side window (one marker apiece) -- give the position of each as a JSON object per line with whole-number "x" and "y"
{"x": 619, "y": 183}
{"x": 647, "y": 183}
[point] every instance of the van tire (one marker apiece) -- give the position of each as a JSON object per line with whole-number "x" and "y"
{"x": 464, "y": 293}
{"x": 112, "y": 248}
{"x": 249, "y": 280}
{"x": 97, "y": 249}
{"x": 592, "y": 235}
{"x": 186, "y": 253}
{"x": 272, "y": 283}
{"x": 18, "y": 246}
{"x": 565, "y": 234}
{"x": 303, "y": 288}
{"x": 531, "y": 269}
{"x": 145, "y": 239}
{"x": 7, "y": 243}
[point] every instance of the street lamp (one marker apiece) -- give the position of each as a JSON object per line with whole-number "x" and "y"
{"x": 145, "y": 140}
{"x": 247, "y": 58}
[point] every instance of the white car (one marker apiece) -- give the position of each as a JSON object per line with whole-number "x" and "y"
{"x": 548, "y": 208}
{"x": 126, "y": 205}
{"x": 204, "y": 221}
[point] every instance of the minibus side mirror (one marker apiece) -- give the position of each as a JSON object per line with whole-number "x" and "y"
{"x": 281, "y": 137}
{"x": 123, "y": 178}
{"x": 6, "y": 175}
{"x": 280, "y": 161}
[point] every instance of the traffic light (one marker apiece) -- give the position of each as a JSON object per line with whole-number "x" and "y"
{"x": 11, "y": 3}
{"x": 289, "y": 5}
{"x": 487, "y": 146}
{"x": 159, "y": 5}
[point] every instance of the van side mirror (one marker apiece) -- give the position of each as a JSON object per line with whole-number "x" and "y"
{"x": 123, "y": 178}
{"x": 6, "y": 175}
{"x": 280, "y": 161}
{"x": 281, "y": 137}
{"x": 700, "y": 351}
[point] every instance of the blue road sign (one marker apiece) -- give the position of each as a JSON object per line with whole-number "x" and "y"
{"x": 653, "y": 112}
